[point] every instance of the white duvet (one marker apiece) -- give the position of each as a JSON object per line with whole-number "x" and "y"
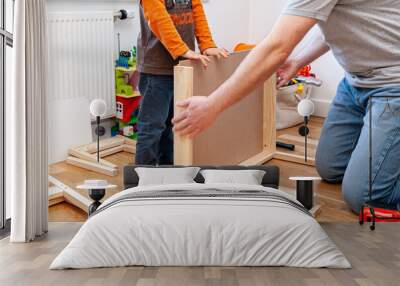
{"x": 200, "y": 232}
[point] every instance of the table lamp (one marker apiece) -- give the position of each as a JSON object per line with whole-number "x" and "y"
{"x": 98, "y": 108}
{"x": 305, "y": 108}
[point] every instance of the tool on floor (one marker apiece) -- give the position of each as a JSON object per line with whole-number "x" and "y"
{"x": 381, "y": 215}
{"x": 290, "y": 147}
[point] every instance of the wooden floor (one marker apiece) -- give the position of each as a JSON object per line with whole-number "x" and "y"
{"x": 375, "y": 257}
{"x": 66, "y": 212}
{"x": 333, "y": 207}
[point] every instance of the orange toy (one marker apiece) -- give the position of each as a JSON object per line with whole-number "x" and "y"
{"x": 243, "y": 47}
{"x": 305, "y": 71}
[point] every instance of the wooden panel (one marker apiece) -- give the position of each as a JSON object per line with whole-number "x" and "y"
{"x": 260, "y": 158}
{"x": 269, "y": 114}
{"x": 92, "y": 166}
{"x": 129, "y": 148}
{"x": 183, "y": 89}
{"x": 111, "y": 151}
{"x": 294, "y": 158}
{"x": 237, "y": 135}
{"x": 104, "y": 144}
{"x": 88, "y": 157}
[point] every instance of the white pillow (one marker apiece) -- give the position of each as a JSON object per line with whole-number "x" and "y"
{"x": 166, "y": 176}
{"x": 247, "y": 177}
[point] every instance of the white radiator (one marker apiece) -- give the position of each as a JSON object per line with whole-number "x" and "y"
{"x": 81, "y": 57}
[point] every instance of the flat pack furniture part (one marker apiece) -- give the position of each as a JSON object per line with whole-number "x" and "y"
{"x": 296, "y": 156}
{"x": 245, "y": 134}
{"x": 67, "y": 194}
{"x": 85, "y": 156}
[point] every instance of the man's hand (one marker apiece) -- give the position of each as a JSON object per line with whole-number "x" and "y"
{"x": 218, "y": 52}
{"x": 286, "y": 72}
{"x": 190, "y": 55}
{"x": 197, "y": 114}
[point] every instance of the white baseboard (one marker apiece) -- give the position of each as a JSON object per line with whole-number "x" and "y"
{"x": 321, "y": 107}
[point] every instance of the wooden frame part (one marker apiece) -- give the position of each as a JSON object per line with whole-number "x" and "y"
{"x": 243, "y": 135}
{"x": 298, "y": 155}
{"x": 85, "y": 156}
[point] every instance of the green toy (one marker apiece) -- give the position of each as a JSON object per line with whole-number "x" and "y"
{"x": 121, "y": 86}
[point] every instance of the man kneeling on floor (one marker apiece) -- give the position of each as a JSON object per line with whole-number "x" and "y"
{"x": 364, "y": 36}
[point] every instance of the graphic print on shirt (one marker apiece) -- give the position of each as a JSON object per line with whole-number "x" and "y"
{"x": 180, "y": 11}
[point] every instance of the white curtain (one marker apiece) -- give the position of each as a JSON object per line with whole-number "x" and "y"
{"x": 27, "y": 123}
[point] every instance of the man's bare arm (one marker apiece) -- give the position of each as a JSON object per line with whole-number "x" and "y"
{"x": 314, "y": 48}
{"x": 200, "y": 112}
{"x": 263, "y": 61}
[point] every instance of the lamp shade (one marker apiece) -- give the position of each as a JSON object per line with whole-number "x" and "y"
{"x": 98, "y": 107}
{"x": 306, "y": 107}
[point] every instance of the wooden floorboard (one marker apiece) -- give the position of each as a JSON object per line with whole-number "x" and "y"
{"x": 65, "y": 212}
{"x": 375, "y": 257}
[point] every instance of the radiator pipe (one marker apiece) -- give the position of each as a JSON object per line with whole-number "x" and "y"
{"x": 124, "y": 14}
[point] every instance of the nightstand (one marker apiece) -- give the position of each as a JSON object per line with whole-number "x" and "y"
{"x": 97, "y": 191}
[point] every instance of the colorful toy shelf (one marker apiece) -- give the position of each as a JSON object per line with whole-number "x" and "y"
{"x": 135, "y": 94}
{"x": 127, "y": 94}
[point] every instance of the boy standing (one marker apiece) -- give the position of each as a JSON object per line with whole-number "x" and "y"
{"x": 168, "y": 31}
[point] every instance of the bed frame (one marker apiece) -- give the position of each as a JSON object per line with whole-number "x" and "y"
{"x": 270, "y": 179}
{"x": 245, "y": 134}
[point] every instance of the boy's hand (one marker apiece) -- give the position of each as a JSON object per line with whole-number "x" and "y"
{"x": 219, "y": 52}
{"x": 197, "y": 57}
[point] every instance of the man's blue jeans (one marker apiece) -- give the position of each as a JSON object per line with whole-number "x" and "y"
{"x": 155, "y": 137}
{"x": 343, "y": 151}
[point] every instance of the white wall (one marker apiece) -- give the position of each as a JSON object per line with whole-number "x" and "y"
{"x": 263, "y": 15}
{"x": 243, "y": 21}
{"x": 229, "y": 22}
{"x": 228, "y": 28}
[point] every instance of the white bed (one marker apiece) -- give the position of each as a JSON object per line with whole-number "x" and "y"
{"x": 185, "y": 230}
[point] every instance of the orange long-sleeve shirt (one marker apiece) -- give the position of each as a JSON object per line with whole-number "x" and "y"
{"x": 165, "y": 25}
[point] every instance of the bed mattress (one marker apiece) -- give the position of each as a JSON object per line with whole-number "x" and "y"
{"x": 201, "y": 225}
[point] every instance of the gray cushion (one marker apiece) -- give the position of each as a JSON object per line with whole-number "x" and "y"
{"x": 270, "y": 179}
{"x": 247, "y": 177}
{"x": 166, "y": 176}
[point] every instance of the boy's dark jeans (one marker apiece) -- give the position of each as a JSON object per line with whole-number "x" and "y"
{"x": 155, "y": 137}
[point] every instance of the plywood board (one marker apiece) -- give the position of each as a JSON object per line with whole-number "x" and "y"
{"x": 183, "y": 89}
{"x": 238, "y": 134}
